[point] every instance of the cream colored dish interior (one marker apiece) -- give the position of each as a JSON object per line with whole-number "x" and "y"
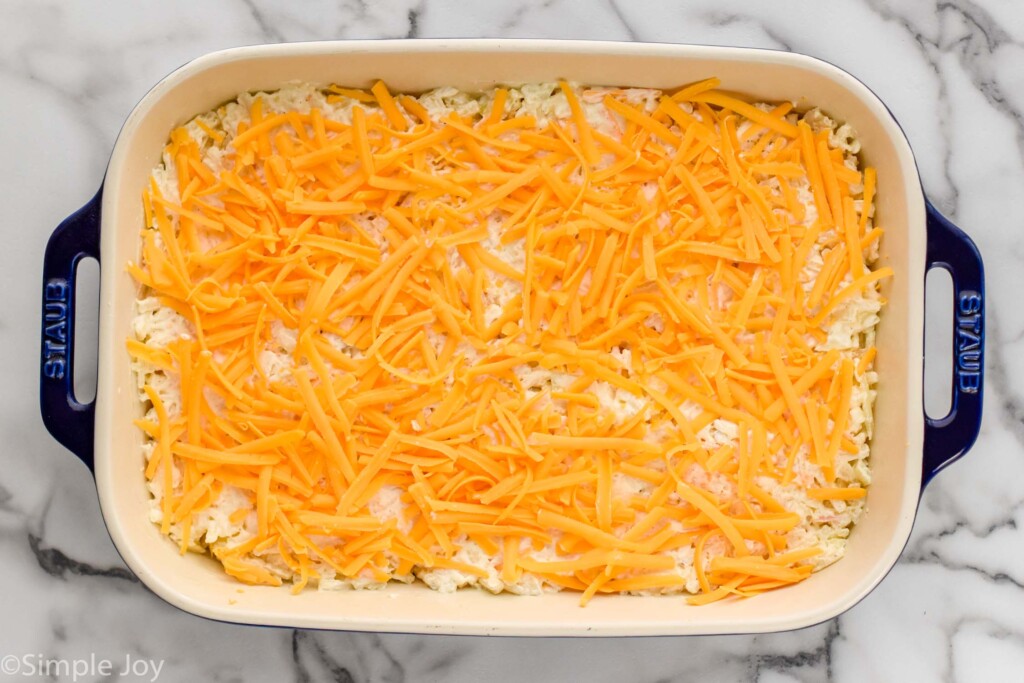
{"x": 195, "y": 583}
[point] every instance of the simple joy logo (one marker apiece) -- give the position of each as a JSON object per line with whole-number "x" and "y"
{"x": 93, "y": 667}
{"x": 56, "y": 296}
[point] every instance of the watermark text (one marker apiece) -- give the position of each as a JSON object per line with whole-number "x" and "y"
{"x": 82, "y": 668}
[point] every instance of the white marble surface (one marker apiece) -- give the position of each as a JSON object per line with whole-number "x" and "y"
{"x": 952, "y": 609}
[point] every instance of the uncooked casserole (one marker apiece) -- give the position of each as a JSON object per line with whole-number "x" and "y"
{"x": 541, "y": 337}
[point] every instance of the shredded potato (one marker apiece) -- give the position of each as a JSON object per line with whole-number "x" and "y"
{"x": 544, "y": 337}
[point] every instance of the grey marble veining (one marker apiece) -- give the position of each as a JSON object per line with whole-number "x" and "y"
{"x": 951, "y": 71}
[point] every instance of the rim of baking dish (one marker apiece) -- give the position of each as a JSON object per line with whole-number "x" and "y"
{"x": 105, "y": 410}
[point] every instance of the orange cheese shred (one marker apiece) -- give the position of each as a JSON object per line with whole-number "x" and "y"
{"x": 577, "y": 341}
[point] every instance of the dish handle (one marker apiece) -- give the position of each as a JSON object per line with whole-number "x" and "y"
{"x": 948, "y": 438}
{"x": 68, "y": 420}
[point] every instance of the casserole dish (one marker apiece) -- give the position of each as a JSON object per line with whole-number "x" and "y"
{"x": 907, "y": 450}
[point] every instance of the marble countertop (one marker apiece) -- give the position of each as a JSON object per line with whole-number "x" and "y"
{"x": 952, "y": 609}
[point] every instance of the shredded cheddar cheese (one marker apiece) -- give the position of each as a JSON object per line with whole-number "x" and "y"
{"x": 541, "y": 338}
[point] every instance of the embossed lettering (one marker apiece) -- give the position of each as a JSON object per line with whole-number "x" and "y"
{"x": 970, "y": 302}
{"x": 56, "y": 310}
{"x": 56, "y": 290}
{"x": 969, "y": 322}
{"x": 967, "y": 340}
{"x": 54, "y": 368}
{"x": 55, "y": 334}
{"x": 52, "y": 349}
{"x": 970, "y": 361}
{"x": 58, "y": 331}
{"x": 969, "y": 382}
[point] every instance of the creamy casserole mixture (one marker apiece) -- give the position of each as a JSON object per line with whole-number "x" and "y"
{"x": 542, "y": 337}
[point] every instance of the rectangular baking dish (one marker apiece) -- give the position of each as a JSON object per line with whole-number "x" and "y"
{"x": 908, "y": 447}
